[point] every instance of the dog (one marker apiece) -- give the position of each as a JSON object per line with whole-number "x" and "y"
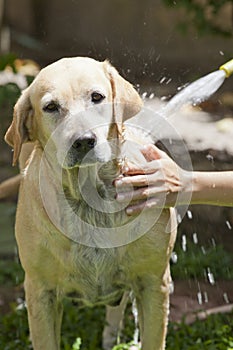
{"x": 74, "y": 240}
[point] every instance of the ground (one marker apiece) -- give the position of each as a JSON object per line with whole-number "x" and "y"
{"x": 185, "y": 301}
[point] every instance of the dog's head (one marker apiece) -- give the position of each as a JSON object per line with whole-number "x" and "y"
{"x": 79, "y": 104}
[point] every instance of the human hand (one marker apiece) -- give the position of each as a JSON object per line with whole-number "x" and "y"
{"x": 157, "y": 184}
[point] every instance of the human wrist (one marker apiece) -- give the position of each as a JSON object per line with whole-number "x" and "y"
{"x": 203, "y": 188}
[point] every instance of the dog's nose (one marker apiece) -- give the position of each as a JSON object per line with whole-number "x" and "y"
{"x": 84, "y": 144}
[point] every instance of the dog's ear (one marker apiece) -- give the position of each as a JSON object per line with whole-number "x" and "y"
{"x": 123, "y": 93}
{"x": 20, "y": 129}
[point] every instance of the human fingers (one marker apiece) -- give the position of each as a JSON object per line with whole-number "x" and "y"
{"x": 151, "y": 152}
{"x": 147, "y": 168}
{"x": 145, "y": 205}
{"x": 143, "y": 193}
{"x": 139, "y": 180}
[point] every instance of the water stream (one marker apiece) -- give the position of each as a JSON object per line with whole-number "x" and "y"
{"x": 200, "y": 90}
{"x": 196, "y": 92}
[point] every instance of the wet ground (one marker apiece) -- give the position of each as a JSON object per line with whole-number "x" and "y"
{"x": 191, "y": 297}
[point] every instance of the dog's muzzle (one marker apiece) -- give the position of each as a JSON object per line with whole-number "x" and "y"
{"x": 82, "y": 150}
{"x": 84, "y": 144}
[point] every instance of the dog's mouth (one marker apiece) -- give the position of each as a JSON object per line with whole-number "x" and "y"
{"x": 86, "y": 151}
{"x": 75, "y": 159}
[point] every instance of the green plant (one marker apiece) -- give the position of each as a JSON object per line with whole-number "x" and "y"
{"x": 202, "y": 15}
{"x": 77, "y": 322}
{"x": 215, "y": 333}
{"x": 197, "y": 261}
{"x": 77, "y": 344}
{"x": 9, "y": 94}
{"x": 14, "y": 333}
{"x": 11, "y": 273}
{"x": 8, "y": 60}
{"x": 127, "y": 346}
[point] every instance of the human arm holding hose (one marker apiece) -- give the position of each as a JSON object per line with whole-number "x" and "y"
{"x": 162, "y": 183}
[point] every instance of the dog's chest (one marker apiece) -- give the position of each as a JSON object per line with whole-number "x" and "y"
{"x": 96, "y": 277}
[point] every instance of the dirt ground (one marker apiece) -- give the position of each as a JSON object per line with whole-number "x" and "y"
{"x": 191, "y": 297}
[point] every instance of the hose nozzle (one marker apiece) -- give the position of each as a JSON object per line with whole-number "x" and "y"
{"x": 228, "y": 68}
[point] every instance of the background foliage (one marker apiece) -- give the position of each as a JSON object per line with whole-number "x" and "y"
{"x": 201, "y": 15}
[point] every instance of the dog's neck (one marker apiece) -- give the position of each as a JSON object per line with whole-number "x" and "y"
{"x": 81, "y": 201}
{"x": 78, "y": 183}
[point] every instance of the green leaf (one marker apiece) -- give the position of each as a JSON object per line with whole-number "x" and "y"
{"x": 77, "y": 344}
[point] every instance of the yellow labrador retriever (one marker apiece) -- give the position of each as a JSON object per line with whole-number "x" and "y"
{"x": 74, "y": 239}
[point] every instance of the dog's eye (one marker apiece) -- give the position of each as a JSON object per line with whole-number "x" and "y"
{"x": 97, "y": 97}
{"x": 51, "y": 107}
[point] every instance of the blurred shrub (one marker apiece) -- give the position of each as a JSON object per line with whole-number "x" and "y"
{"x": 203, "y": 16}
{"x": 198, "y": 261}
{"x": 215, "y": 333}
{"x": 8, "y": 60}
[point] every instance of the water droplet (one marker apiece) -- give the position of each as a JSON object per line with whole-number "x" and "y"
{"x": 144, "y": 95}
{"x": 184, "y": 243}
{"x": 174, "y": 257}
{"x": 135, "y": 314}
{"x": 203, "y": 250}
{"x": 221, "y": 53}
{"x": 228, "y": 225}
{"x": 20, "y": 305}
{"x": 157, "y": 58}
{"x": 168, "y": 81}
{"x": 19, "y": 300}
{"x": 213, "y": 242}
{"x": 195, "y": 238}
{"x": 210, "y": 276}
{"x": 182, "y": 86}
{"x": 152, "y": 95}
{"x": 199, "y": 298}
{"x": 189, "y": 214}
{"x": 210, "y": 157}
{"x": 162, "y": 80}
{"x": 179, "y": 219}
{"x": 226, "y": 299}
{"x": 206, "y": 299}
{"x": 171, "y": 287}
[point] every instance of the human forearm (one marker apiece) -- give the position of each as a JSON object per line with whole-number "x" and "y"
{"x": 214, "y": 188}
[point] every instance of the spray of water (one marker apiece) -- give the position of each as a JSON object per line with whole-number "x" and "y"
{"x": 136, "y": 331}
{"x": 200, "y": 90}
{"x": 195, "y": 93}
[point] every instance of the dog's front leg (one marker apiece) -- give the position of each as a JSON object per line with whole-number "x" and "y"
{"x": 153, "y": 306}
{"x": 44, "y": 314}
